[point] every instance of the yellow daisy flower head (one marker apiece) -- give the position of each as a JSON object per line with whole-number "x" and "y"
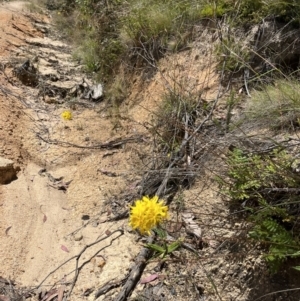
{"x": 66, "y": 115}
{"x": 147, "y": 213}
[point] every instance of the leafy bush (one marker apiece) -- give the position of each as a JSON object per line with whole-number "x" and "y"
{"x": 280, "y": 242}
{"x": 132, "y": 33}
{"x": 139, "y": 32}
{"x": 87, "y": 52}
{"x": 214, "y": 9}
{"x": 266, "y": 186}
{"x": 253, "y": 11}
{"x": 148, "y": 26}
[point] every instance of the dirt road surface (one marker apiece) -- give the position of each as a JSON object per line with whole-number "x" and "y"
{"x": 42, "y": 224}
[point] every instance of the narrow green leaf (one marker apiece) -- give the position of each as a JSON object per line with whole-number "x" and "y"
{"x": 156, "y": 248}
{"x": 173, "y": 246}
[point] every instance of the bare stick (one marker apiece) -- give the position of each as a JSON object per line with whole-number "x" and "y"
{"x": 77, "y": 256}
{"x": 108, "y": 287}
{"x": 112, "y": 144}
{"x": 78, "y": 268}
{"x": 136, "y": 272}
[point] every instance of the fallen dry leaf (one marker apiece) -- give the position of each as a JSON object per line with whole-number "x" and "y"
{"x": 4, "y": 298}
{"x": 51, "y": 297}
{"x": 149, "y": 278}
{"x": 60, "y": 294}
{"x": 190, "y": 225}
{"x": 64, "y": 248}
{"x": 45, "y": 217}
{"x": 7, "y": 229}
{"x": 65, "y": 208}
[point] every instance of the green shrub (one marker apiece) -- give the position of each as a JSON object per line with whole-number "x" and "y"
{"x": 212, "y": 9}
{"x": 150, "y": 25}
{"x": 247, "y": 12}
{"x": 87, "y": 52}
{"x": 286, "y": 11}
{"x": 280, "y": 242}
{"x": 139, "y": 32}
{"x": 266, "y": 187}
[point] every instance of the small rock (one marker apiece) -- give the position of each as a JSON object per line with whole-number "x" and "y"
{"x": 78, "y": 237}
{"x": 94, "y": 224}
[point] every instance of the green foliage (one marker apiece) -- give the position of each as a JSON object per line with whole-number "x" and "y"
{"x": 251, "y": 173}
{"x": 87, "y": 52}
{"x": 84, "y": 4}
{"x": 233, "y": 53}
{"x": 137, "y": 33}
{"x": 286, "y": 11}
{"x": 162, "y": 248}
{"x": 150, "y": 25}
{"x": 263, "y": 184}
{"x": 131, "y": 33}
{"x": 248, "y": 12}
{"x": 213, "y": 9}
{"x": 277, "y": 106}
{"x": 280, "y": 242}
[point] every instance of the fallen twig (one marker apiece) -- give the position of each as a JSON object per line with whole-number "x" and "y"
{"x": 117, "y": 143}
{"x": 77, "y": 257}
{"x": 136, "y": 272}
{"x": 78, "y": 268}
{"x": 108, "y": 287}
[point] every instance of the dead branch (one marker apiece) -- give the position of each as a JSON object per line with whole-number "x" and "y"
{"x": 136, "y": 272}
{"x": 78, "y": 268}
{"x": 117, "y": 143}
{"x": 108, "y": 287}
{"x": 77, "y": 257}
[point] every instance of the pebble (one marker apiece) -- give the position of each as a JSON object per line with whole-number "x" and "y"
{"x": 95, "y": 224}
{"x": 78, "y": 237}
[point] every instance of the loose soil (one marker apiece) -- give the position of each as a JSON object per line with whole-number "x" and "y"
{"x": 73, "y": 172}
{"x": 42, "y": 226}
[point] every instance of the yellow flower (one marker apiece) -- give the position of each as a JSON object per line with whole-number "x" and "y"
{"x": 66, "y": 115}
{"x": 147, "y": 213}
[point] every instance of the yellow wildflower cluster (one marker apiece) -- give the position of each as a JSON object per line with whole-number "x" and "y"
{"x": 66, "y": 115}
{"x": 147, "y": 213}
